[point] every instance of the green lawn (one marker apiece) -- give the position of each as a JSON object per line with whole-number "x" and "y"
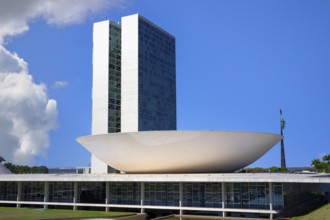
{"x": 323, "y": 213}
{"x": 35, "y": 214}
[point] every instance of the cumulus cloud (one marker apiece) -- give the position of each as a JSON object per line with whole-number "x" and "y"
{"x": 10, "y": 62}
{"x": 15, "y": 14}
{"x": 26, "y": 117}
{"x": 60, "y": 84}
{"x": 27, "y": 114}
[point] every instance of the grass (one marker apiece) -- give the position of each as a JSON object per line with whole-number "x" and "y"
{"x": 41, "y": 214}
{"x": 323, "y": 213}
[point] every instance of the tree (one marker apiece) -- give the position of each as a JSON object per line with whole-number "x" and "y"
{"x": 278, "y": 169}
{"x": 326, "y": 158}
{"x": 316, "y": 164}
{"x": 255, "y": 170}
{"x": 43, "y": 169}
{"x": 319, "y": 165}
{"x": 11, "y": 167}
{"x": 2, "y": 160}
{"x": 20, "y": 169}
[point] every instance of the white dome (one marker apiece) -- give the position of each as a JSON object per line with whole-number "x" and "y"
{"x": 179, "y": 151}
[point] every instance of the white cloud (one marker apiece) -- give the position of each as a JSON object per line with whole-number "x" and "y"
{"x": 56, "y": 12}
{"x": 15, "y": 14}
{"x": 10, "y": 62}
{"x": 27, "y": 114}
{"x": 26, "y": 117}
{"x": 60, "y": 84}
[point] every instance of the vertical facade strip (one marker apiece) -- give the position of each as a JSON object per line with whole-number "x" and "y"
{"x": 142, "y": 197}
{"x": 19, "y": 193}
{"x": 270, "y": 185}
{"x": 223, "y": 198}
{"x": 181, "y": 197}
{"x": 107, "y": 195}
{"x": 75, "y": 195}
{"x": 46, "y": 194}
{"x": 114, "y": 79}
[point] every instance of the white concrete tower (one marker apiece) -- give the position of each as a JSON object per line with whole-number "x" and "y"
{"x": 148, "y": 92}
{"x": 106, "y": 84}
{"x": 133, "y": 79}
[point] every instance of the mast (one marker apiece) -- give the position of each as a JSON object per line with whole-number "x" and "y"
{"x": 283, "y": 163}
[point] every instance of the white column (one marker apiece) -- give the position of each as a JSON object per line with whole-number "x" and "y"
{"x": 142, "y": 197}
{"x": 75, "y": 194}
{"x": 223, "y": 197}
{"x": 181, "y": 197}
{"x": 46, "y": 194}
{"x": 270, "y": 189}
{"x": 19, "y": 194}
{"x": 107, "y": 195}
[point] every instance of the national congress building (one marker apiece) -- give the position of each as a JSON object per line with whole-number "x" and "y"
{"x": 134, "y": 109}
{"x": 140, "y": 162}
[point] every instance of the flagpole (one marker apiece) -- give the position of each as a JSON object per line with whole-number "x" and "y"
{"x": 282, "y": 124}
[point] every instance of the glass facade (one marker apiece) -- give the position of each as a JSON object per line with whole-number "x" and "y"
{"x": 253, "y": 195}
{"x": 61, "y": 192}
{"x": 125, "y": 193}
{"x": 162, "y": 194}
{"x": 190, "y": 197}
{"x": 249, "y": 195}
{"x": 8, "y": 191}
{"x": 33, "y": 191}
{"x": 91, "y": 192}
{"x": 114, "y": 107}
{"x": 237, "y": 195}
{"x": 295, "y": 193}
{"x": 278, "y": 200}
{"x": 157, "y": 81}
{"x": 202, "y": 195}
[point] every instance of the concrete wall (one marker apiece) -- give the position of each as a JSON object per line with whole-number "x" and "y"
{"x": 129, "y": 74}
{"x": 100, "y": 87}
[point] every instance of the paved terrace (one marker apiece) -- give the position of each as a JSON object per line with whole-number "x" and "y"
{"x": 226, "y": 178}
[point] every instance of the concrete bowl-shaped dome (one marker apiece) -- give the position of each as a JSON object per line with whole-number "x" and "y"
{"x": 179, "y": 151}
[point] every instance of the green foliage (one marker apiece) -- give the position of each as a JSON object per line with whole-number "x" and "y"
{"x": 20, "y": 169}
{"x": 264, "y": 170}
{"x": 326, "y": 158}
{"x": 255, "y": 170}
{"x": 322, "y": 166}
{"x": 2, "y": 159}
{"x": 278, "y": 170}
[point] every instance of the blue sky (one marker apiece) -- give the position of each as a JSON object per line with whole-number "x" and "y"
{"x": 238, "y": 63}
